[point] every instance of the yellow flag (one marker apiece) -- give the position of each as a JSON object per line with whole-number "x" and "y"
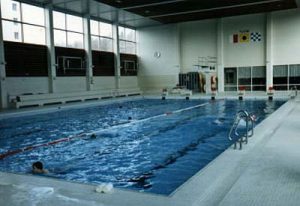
{"x": 244, "y": 37}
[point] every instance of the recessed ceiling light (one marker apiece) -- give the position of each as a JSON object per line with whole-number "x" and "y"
{"x": 118, "y": 1}
{"x": 147, "y": 12}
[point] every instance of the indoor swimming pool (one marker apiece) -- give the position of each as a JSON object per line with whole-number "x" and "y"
{"x": 149, "y": 145}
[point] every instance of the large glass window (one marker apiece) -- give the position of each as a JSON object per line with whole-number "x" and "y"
{"x": 101, "y": 36}
{"x": 286, "y": 77}
{"x": 23, "y": 22}
{"x": 294, "y": 77}
{"x": 280, "y": 77}
{"x": 230, "y": 75}
{"x": 127, "y": 42}
{"x": 68, "y": 30}
{"x": 259, "y": 78}
{"x": 246, "y": 78}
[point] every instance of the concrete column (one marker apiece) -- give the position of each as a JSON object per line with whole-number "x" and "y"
{"x": 116, "y": 47}
{"x": 3, "y": 91}
{"x": 178, "y": 46}
{"x": 269, "y": 50}
{"x": 88, "y": 52}
{"x": 220, "y": 55}
{"x": 51, "y": 48}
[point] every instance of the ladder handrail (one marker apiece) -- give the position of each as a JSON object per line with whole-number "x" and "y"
{"x": 241, "y": 115}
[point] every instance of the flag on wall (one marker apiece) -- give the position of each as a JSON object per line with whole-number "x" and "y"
{"x": 234, "y": 38}
{"x": 244, "y": 37}
{"x": 255, "y": 36}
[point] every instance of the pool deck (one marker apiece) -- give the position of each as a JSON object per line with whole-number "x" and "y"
{"x": 265, "y": 172}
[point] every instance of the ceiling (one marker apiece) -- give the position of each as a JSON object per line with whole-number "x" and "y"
{"x": 173, "y": 11}
{"x": 141, "y": 13}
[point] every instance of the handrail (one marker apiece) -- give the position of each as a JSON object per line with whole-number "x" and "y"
{"x": 242, "y": 120}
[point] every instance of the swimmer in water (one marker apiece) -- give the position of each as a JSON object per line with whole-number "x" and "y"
{"x": 38, "y": 168}
{"x": 93, "y": 136}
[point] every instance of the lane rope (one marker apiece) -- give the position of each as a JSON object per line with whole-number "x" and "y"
{"x": 66, "y": 139}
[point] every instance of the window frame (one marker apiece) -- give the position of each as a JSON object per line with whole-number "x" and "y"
{"x": 22, "y": 23}
{"x": 68, "y": 31}
{"x": 99, "y": 36}
{"x": 127, "y": 40}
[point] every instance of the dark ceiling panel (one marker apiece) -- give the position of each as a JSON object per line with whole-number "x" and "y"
{"x": 185, "y": 6}
{"x": 227, "y": 12}
{"x": 131, "y": 3}
{"x": 172, "y": 11}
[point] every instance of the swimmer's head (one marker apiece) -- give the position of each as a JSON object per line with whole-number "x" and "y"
{"x": 129, "y": 118}
{"x": 93, "y": 136}
{"x": 37, "y": 167}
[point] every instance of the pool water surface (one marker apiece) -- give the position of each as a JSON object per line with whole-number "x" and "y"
{"x": 147, "y": 145}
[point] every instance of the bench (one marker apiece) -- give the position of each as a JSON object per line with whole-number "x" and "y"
{"x": 29, "y": 100}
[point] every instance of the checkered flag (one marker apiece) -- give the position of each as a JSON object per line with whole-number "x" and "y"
{"x": 255, "y": 36}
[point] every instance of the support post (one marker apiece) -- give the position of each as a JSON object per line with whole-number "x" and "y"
{"x": 88, "y": 52}
{"x": 220, "y": 55}
{"x": 117, "y": 54}
{"x": 269, "y": 50}
{"x": 51, "y": 48}
{"x": 3, "y": 90}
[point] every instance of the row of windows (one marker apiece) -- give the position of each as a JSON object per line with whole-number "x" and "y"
{"x": 250, "y": 78}
{"x": 285, "y": 77}
{"x": 26, "y": 23}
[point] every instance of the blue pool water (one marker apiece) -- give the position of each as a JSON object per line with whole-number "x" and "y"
{"x": 143, "y": 145}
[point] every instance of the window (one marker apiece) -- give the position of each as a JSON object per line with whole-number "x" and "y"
{"x": 294, "y": 76}
{"x": 68, "y": 30}
{"x": 14, "y": 6}
{"x": 16, "y": 35}
{"x": 249, "y": 78}
{"x": 28, "y": 27}
{"x": 259, "y": 78}
{"x": 244, "y": 77}
{"x": 230, "y": 75}
{"x": 286, "y": 77}
{"x": 127, "y": 38}
{"x": 280, "y": 77}
{"x": 101, "y": 36}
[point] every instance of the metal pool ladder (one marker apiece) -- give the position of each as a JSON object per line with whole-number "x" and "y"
{"x": 242, "y": 128}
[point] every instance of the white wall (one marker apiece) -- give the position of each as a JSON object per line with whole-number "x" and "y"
{"x": 197, "y": 39}
{"x": 102, "y": 83}
{"x": 244, "y": 54}
{"x": 156, "y": 73}
{"x": 70, "y": 84}
{"x": 21, "y": 85}
{"x": 286, "y": 39}
{"x": 128, "y": 82}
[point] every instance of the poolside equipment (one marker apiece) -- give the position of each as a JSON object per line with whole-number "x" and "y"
{"x": 270, "y": 93}
{"x": 105, "y": 188}
{"x": 242, "y": 128}
{"x": 164, "y": 93}
{"x": 241, "y": 92}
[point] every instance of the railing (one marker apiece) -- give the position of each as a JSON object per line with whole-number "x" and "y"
{"x": 242, "y": 128}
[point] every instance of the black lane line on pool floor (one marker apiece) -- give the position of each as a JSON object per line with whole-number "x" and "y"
{"x": 81, "y": 135}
